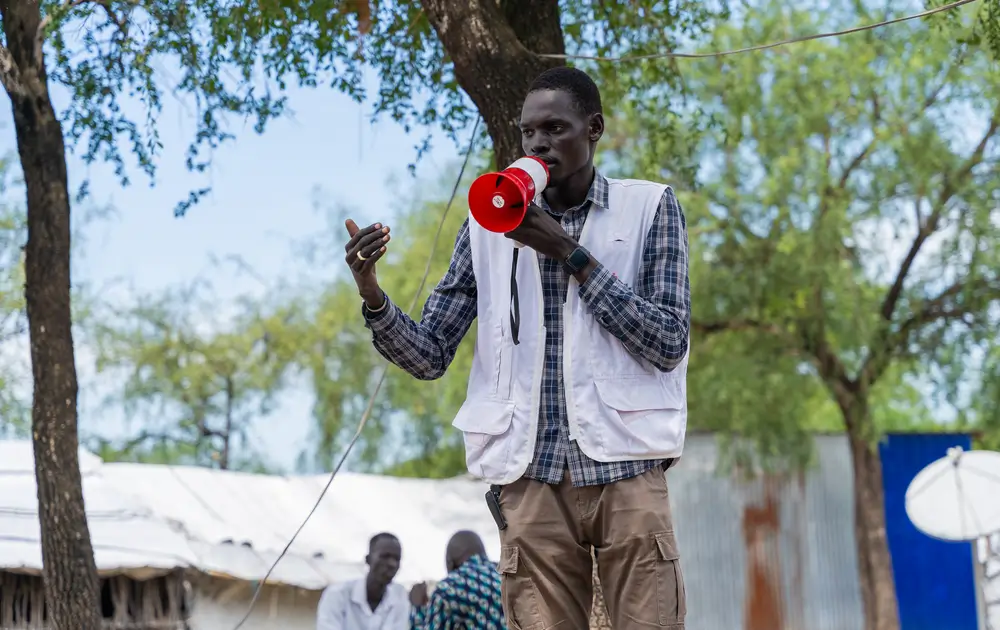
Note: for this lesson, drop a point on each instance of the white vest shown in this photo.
(620, 407)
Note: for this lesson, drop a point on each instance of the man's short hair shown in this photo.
(381, 536)
(576, 83)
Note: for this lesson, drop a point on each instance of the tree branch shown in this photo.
(896, 290)
(536, 25)
(120, 22)
(733, 325)
(929, 102)
(943, 307)
(146, 436)
(65, 6)
(831, 369)
(706, 328)
(10, 75)
(886, 344)
(940, 308)
(952, 185)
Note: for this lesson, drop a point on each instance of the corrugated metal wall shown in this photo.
(779, 554)
(768, 554)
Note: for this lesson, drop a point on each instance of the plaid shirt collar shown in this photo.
(597, 195)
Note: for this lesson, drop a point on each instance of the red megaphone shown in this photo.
(498, 201)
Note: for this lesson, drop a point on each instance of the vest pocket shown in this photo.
(639, 417)
(637, 395)
(483, 422)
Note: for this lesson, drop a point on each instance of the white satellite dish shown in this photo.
(957, 497)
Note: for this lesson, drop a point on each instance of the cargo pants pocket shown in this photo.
(670, 596)
(517, 592)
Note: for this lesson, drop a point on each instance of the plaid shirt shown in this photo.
(651, 321)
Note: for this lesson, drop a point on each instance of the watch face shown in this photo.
(578, 259)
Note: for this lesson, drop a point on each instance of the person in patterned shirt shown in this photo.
(468, 599)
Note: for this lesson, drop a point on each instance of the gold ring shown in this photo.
(360, 257)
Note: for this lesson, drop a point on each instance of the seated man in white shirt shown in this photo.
(374, 603)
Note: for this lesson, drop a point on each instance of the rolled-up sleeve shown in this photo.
(426, 348)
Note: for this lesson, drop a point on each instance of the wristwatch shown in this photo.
(576, 261)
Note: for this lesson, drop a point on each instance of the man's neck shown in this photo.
(572, 192)
(375, 591)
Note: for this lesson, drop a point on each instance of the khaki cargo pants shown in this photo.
(545, 559)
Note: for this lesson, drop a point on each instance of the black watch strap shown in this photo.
(576, 261)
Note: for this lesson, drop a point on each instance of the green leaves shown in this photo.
(843, 232)
(232, 60)
(229, 60)
(195, 386)
(15, 410)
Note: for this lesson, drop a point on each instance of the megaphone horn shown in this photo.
(499, 201)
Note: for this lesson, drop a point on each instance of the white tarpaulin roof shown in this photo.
(149, 519)
(126, 536)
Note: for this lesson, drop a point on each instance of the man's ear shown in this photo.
(368, 560)
(596, 127)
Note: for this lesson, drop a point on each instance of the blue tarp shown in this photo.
(935, 580)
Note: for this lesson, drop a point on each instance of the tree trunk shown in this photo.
(491, 45)
(878, 590)
(71, 583)
(228, 435)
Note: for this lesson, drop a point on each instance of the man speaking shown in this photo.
(575, 408)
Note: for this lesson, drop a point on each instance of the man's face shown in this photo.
(556, 132)
(383, 561)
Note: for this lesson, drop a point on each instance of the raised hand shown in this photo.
(365, 247)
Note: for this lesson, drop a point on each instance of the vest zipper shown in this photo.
(568, 365)
(539, 366)
(572, 285)
(510, 375)
(496, 386)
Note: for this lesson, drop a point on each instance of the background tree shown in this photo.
(196, 380)
(14, 412)
(984, 405)
(846, 231)
(15, 407)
